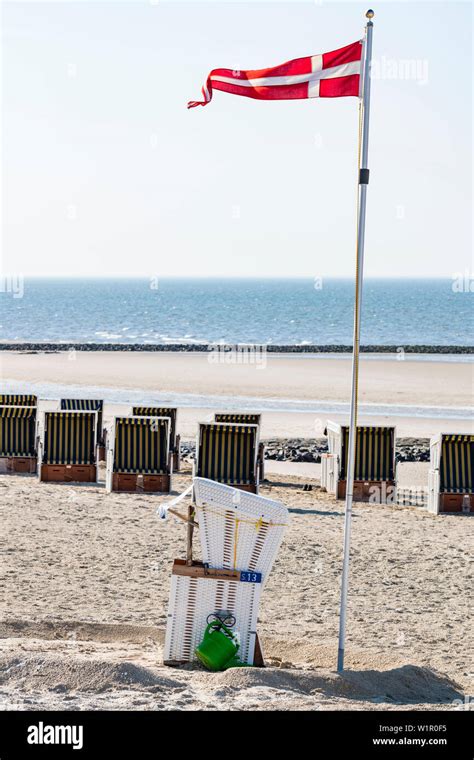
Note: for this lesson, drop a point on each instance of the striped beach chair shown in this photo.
(227, 453)
(68, 446)
(246, 418)
(138, 457)
(374, 477)
(451, 475)
(18, 437)
(172, 413)
(89, 405)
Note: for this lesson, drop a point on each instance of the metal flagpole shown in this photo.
(362, 197)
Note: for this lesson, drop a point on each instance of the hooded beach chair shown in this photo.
(246, 418)
(172, 413)
(89, 405)
(68, 446)
(451, 475)
(240, 534)
(138, 456)
(18, 437)
(227, 453)
(374, 477)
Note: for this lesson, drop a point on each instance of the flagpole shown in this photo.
(362, 198)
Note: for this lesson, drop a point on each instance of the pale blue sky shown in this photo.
(106, 172)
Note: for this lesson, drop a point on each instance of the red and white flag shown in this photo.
(329, 75)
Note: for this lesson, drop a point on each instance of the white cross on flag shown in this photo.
(329, 75)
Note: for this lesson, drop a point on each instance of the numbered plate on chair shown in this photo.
(247, 576)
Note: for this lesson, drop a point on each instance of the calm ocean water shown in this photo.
(286, 312)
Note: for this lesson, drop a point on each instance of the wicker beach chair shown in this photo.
(89, 405)
(18, 437)
(374, 478)
(227, 453)
(451, 475)
(68, 446)
(246, 418)
(240, 534)
(175, 438)
(138, 455)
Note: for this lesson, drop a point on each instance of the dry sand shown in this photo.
(284, 377)
(85, 579)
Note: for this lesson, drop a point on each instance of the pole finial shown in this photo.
(370, 14)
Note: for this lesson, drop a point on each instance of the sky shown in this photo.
(105, 172)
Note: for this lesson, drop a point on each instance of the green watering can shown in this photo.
(218, 647)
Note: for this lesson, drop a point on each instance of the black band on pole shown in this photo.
(363, 176)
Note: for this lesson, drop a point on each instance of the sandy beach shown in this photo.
(86, 574)
(282, 381)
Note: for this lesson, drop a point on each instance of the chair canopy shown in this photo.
(18, 399)
(142, 445)
(238, 418)
(159, 411)
(69, 438)
(227, 453)
(17, 431)
(82, 404)
(457, 464)
(374, 453)
(86, 405)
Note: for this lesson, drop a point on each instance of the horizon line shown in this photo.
(230, 277)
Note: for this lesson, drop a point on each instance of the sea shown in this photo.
(191, 312)
(296, 312)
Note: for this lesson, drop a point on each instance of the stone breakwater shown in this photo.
(203, 347)
(310, 449)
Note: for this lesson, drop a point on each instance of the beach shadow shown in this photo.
(320, 512)
(294, 486)
(406, 685)
(51, 630)
(73, 483)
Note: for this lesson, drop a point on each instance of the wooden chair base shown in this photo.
(136, 483)
(18, 465)
(456, 502)
(68, 473)
(363, 490)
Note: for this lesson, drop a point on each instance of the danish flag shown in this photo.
(329, 75)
